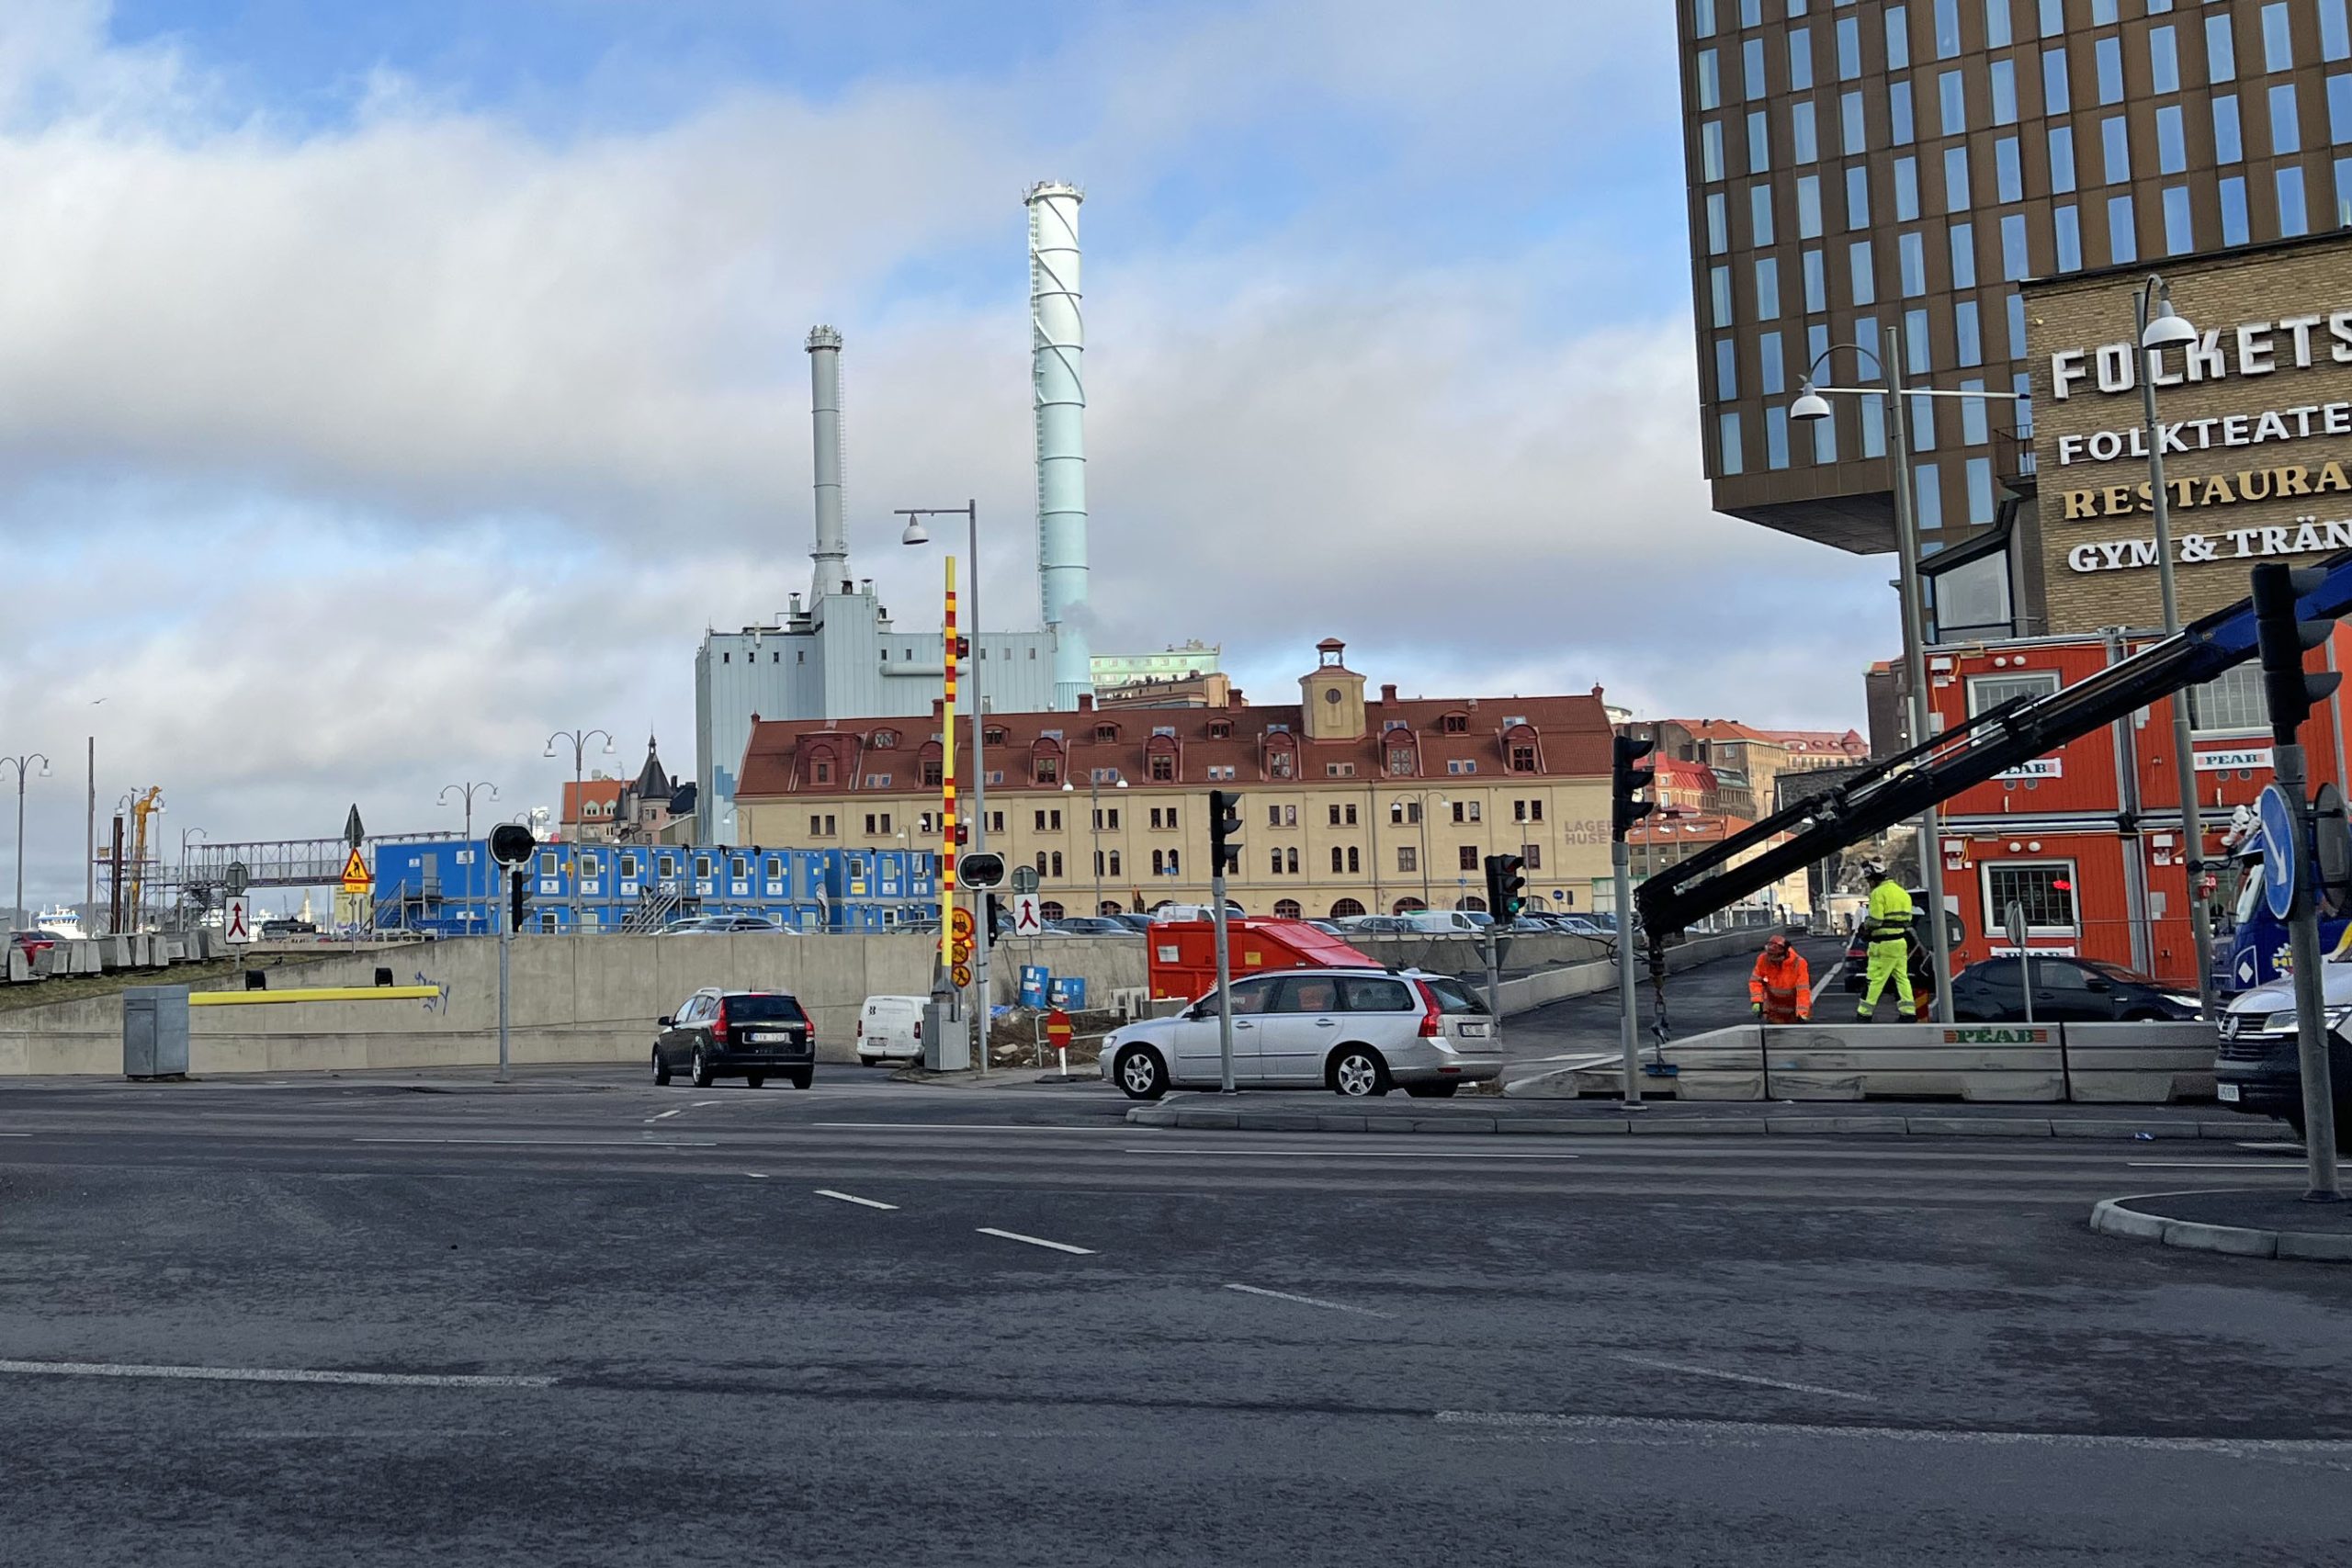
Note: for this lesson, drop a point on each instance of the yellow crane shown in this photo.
(142, 805)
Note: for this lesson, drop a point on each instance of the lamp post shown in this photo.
(2157, 326)
(917, 534)
(1422, 800)
(1813, 404)
(186, 834)
(20, 763)
(579, 738)
(1094, 802)
(468, 791)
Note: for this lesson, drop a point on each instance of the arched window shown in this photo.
(1114, 863)
(1287, 909)
(1472, 901)
(1344, 908)
(1049, 911)
(1109, 906)
(1337, 857)
(885, 738)
(1292, 852)
(1355, 858)
(1041, 863)
(1159, 862)
(1057, 867)
(1406, 906)
(1277, 858)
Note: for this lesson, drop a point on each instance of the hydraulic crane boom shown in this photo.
(1992, 742)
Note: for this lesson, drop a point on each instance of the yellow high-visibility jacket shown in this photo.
(1889, 913)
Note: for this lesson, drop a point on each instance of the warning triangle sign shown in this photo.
(355, 877)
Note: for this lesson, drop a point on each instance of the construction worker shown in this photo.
(1886, 928)
(1780, 987)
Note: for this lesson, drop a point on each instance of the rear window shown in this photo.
(1377, 996)
(786, 1008)
(1453, 997)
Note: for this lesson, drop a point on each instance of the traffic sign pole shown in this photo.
(2284, 849)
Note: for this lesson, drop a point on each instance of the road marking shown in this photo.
(274, 1374)
(1823, 984)
(1742, 1377)
(1536, 1422)
(559, 1142)
(664, 1115)
(757, 1175)
(700, 1103)
(868, 1203)
(1307, 1300)
(965, 1127)
(2208, 1163)
(15, 1134)
(1037, 1241)
(1357, 1154)
(2274, 1149)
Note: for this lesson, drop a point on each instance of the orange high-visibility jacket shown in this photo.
(1785, 988)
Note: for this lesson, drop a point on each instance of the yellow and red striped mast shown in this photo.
(947, 787)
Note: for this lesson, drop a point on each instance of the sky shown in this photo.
(385, 388)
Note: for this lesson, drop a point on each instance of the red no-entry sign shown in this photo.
(1058, 1030)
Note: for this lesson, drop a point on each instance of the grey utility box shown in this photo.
(946, 1041)
(155, 1031)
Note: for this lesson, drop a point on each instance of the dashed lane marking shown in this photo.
(1655, 1365)
(1357, 1154)
(1541, 1423)
(853, 1197)
(2208, 1163)
(1307, 1300)
(557, 1143)
(1037, 1241)
(666, 1115)
(967, 1127)
(757, 1175)
(274, 1374)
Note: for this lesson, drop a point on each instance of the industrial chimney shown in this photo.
(831, 552)
(1058, 344)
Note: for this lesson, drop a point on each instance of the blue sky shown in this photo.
(388, 385)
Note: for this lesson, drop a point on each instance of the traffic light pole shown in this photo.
(505, 948)
(1621, 860)
(1224, 979)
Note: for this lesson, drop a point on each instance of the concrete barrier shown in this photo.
(2139, 1064)
(573, 1000)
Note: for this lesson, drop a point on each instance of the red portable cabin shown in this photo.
(1183, 952)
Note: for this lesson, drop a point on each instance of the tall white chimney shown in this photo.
(831, 552)
(1057, 347)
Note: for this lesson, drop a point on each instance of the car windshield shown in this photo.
(766, 1007)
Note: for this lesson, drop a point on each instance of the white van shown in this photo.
(889, 1029)
(1443, 922)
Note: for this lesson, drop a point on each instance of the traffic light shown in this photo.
(1225, 830)
(2282, 639)
(518, 900)
(1626, 784)
(509, 843)
(1505, 887)
(963, 834)
(993, 915)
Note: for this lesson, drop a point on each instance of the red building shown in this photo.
(2087, 838)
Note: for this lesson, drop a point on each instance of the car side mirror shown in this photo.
(2095, 984)
(664, 1022)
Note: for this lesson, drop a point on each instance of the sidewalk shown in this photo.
(1320, 1113)
(2271, 1222)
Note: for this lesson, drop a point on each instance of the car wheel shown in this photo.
(801, 1077)
(1141, 1073)
(753, 1080)
(661, 1067)
(1431, 1090)
(1357, 1072)
(702, 1075)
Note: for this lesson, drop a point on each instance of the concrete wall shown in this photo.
(572, 999)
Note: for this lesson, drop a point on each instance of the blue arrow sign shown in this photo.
(2281, 855)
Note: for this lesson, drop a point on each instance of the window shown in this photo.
(1163, 768)
(1114, 863)
(2286, 132)
(932, 773)
(1159, 862)
(1527, 810)
(1751, 61)
(1947, 28)
(2005, 92)
(1467, 811)
(2339, 110)
(2107, 56)
(2055, 97)
(2122, 240)
(2062, 160)
(1898, 38)
(1805, 143)
(1468, 857)
(1852, 138)
(1863, 277)
(1809, 207)
(2278, 37)
(1898, 113)
(1857, 193)
(1964, 255)
(1768, 289)
(2335, 39)
(1335, 815)
(1338, 860)
(1287, 909)
(2179, 232)
(824, 770)
(1911, 264)
(1955, 179)
(2294, 217)
(1800, 59)
(1355, 858)
(1290, 859)
(2220, 51)
(2115, 139)
(1849, 49)
(1049, 770)
(1968, 339)
(1407, 858)
(2046, 888)
(1907, 189)
(996, 818)
(2230, 703)
(1728, 461)
(1057, 864)
(1533, 855)
(1951, 103)
(1163, 818)
(2016, 262)
(1986, 692)
(2233, 224)
(1522, 756)
(1759, 142)
(2163, 61)
(1816, 283)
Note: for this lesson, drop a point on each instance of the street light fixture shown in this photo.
(1812, 403)
(2162, 327)
(468, 791)
(20, 763)
(1094, 804)
(1422, 800)
(579, 738)
(916, 533)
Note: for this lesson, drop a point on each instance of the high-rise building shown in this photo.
(1865, 168)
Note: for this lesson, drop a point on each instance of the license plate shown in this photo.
(1474, 1032)
(2228, 1091)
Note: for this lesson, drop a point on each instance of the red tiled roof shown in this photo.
(1571, 735)
(605, 793)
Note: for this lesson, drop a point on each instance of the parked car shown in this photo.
(728, 925)
(1173, 911)
(729, 1035)
(1090, 925)
(889, 1029)
(1325, 927)
(1374, 925)
(1354, 1031)
(1577, 925)
(1444, 922)
(2065, 990)
(2257, 1070)
(1134, 922)
(31, 944)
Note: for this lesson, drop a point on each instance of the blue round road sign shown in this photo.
(2280, 852)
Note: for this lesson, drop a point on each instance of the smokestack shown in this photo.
(831, 552)
(1057, 346)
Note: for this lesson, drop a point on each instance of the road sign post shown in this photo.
(1028, 916)
(1057, 1033)
(237, 918)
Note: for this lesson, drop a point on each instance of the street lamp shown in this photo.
(1422, 800)
(2160, 327)
(917, 534)
(1814, 404)
(186, 834)
(468, 791)
(579, 738)
(1095, 803)
(20, 763)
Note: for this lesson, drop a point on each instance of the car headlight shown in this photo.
(2284, 1022)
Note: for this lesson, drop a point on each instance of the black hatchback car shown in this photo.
(2066, 991)
(747, 1035)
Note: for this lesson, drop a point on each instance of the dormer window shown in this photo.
(884, 739)
(1163, 768)
(1106, 732)
(1048, 769)
(1220, 730)
(995, 735)
(1455, 724)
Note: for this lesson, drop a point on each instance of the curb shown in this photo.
(2112, 1218)
(1203, 1119)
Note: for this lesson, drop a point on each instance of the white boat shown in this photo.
(59, 921)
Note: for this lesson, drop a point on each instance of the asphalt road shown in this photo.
(1711, 996)
(856, 1324)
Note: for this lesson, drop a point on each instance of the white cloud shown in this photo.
(346, 464)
